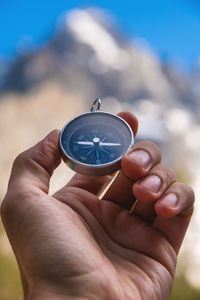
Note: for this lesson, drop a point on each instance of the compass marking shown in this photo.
(109, 144)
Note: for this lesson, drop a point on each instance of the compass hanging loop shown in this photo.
(97, 104)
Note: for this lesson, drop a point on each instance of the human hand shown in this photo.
(74, 246)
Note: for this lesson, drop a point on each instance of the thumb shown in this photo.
(35, 166)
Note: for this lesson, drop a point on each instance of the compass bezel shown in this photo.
(97, 169)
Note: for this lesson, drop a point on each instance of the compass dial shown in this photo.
(95, 142)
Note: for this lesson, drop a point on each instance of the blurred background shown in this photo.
(56, 57)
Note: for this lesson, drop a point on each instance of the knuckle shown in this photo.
(147, 144)
(5, 208)
(170, 172)
(165, 172)
(8, 203)
(19, 160)
(187, 190)
(16, 202)
(2, 209)
(151, 148)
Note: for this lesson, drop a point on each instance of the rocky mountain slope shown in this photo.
(87, 54)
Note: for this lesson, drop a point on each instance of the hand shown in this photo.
(74, 246)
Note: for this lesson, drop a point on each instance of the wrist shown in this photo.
(38, 293)
(51, 296)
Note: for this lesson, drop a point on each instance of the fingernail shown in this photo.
(169, 200)
(141, 157)
(152, 183)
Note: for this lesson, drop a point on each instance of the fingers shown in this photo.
(174, 210)
(135, 164)
(131, 120)
(96, 184)
(35, 166)
(165, 203)
(140, 159)
(178, 199)
(152, 186)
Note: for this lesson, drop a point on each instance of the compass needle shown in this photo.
(85, 143)
(109, 144)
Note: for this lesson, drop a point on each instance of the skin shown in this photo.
(72, 245)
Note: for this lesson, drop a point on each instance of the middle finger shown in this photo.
(135, 164)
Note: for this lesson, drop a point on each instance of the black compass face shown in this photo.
(96, 138)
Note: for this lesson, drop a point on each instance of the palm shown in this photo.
(121, 251)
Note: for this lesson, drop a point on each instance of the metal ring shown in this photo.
(98, 102)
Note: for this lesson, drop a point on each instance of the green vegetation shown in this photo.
(184, 291)
(10, 286)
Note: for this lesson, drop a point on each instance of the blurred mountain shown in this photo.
(89, 56)
(4, 67)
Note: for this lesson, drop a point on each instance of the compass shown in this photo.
(93, 143)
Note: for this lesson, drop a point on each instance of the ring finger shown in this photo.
(150, 189)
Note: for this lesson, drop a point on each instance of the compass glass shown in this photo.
(96, 138)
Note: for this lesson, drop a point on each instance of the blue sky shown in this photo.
(172, 28)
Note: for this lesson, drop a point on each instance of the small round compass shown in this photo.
(93, 143)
